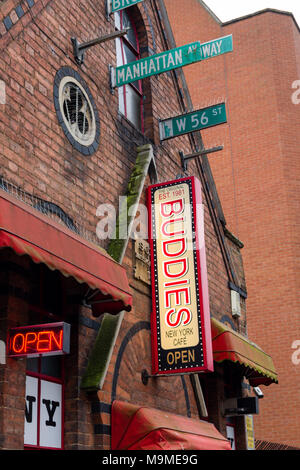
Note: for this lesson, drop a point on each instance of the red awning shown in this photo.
(29, 232)
(229, 345)
(137, 427)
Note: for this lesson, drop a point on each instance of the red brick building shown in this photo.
(73, 151)
(257, 177)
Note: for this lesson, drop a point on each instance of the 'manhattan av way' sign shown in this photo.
(169, 60)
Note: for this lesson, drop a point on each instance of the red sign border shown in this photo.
(203, 285)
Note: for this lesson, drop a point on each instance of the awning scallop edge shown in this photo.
(31, 233)
(232, 346)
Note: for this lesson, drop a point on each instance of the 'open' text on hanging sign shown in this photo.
(191, 122)
(169, 60)
(180, 319)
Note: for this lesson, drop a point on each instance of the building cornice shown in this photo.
(261, 12)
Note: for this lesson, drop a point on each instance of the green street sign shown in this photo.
(216, 47)
(169, 60)
(191, 122)
(156, 64)
(117, 5)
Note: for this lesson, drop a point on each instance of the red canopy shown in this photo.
(230, 345)
(137, 427)
(29, 232)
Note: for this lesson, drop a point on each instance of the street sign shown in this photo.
(169, 60)
(117, 5)
(191, 122)
(156, 64)
(216, 47)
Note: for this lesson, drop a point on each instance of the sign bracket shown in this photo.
(185, 158)
(79, 49)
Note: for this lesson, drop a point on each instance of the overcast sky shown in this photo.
(229, 9)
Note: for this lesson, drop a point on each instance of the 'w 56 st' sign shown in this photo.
(180, 324)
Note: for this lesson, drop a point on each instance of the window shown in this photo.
(76, 111)
(47, 296)
(130, 96)
(43, 427)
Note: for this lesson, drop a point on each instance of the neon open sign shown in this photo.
(35, 340)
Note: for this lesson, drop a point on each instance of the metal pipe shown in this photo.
(202, 152)
(107, 37)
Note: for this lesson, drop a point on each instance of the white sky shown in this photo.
(229, 9)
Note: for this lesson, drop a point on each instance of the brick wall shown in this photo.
(257, 177)
(36, 156)
(14, 308)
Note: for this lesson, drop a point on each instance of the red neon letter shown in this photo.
(46, 340)
(185, 290)
(184, 269)
(14, 343)
(169, 242)
(28, 341)
(179, 317)
(59, 342)
(172, 205)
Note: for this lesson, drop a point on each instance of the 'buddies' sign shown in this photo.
(180, 323)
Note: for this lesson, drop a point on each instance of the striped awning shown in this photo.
(231, 346)
(28, 232)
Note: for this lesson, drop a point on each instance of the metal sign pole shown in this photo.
(78, 49)
(185, 158)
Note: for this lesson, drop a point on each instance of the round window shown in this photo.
(76, 111)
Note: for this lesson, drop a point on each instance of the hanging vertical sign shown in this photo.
(180, 322)
(117, 5)
(250, 441)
